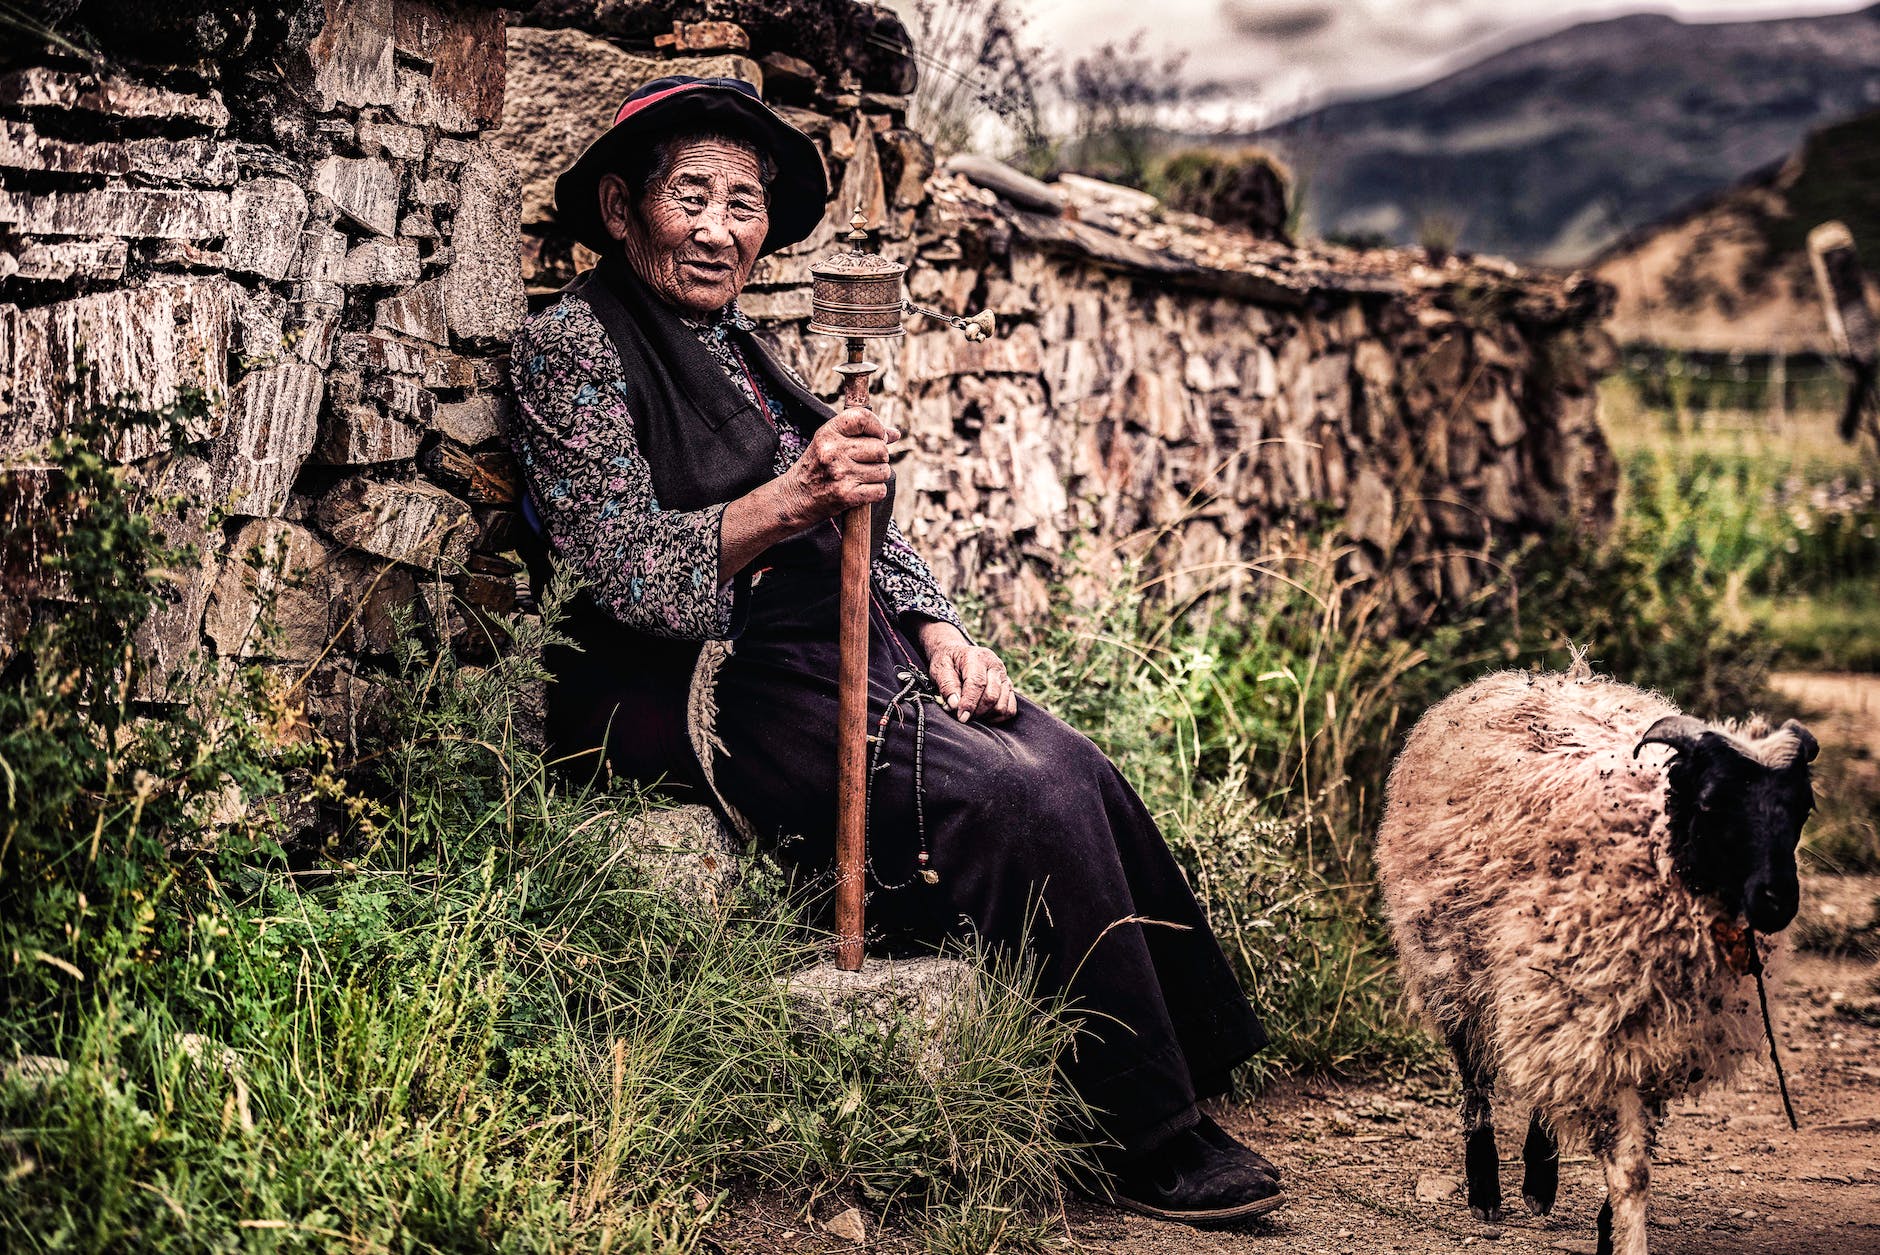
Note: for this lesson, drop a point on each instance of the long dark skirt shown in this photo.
(1037, 840)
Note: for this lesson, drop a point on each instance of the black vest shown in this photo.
(704, 442)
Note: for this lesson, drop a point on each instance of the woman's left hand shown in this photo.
(971, 679)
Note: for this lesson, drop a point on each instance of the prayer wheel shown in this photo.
(856, 295)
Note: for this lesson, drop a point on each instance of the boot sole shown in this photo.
(1259, 1207)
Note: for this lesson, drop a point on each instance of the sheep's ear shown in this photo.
(1680, 732)
(1805, 738)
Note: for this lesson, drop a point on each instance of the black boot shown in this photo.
(1223, 1140)
(1190, 1179)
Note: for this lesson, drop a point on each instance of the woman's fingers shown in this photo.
(1007, 704)
(856, 421)
(945, 670)
(973, 675)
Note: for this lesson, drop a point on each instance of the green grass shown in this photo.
(469, 1023)
(1783, 524)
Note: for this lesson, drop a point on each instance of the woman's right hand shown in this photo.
(845, 465)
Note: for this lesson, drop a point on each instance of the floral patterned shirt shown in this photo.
(652, 569)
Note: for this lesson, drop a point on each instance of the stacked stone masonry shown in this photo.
(332, 235)
(319, 236)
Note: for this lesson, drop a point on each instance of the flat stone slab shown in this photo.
(918, 1002)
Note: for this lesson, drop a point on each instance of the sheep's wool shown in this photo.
(1526, 863)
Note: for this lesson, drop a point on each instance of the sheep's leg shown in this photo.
(1624, 1147)
(1482, 1164)
(1540, 1158)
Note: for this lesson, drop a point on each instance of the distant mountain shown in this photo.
(1732, 273)
(1553, 149)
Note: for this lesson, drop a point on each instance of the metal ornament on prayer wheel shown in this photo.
(857, 295)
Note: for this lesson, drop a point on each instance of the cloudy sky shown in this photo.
(1302, 51)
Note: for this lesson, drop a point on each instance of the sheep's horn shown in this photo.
(1680, 732)
(1810, 746)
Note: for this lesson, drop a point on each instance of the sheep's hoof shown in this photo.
(1487, 1215)
(1535, 1206)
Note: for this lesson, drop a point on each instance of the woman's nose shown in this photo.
(713, 227)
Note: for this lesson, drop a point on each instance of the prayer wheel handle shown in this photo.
(858, 295)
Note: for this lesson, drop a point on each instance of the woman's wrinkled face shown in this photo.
(694, 237)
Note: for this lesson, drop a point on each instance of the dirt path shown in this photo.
(1728, 1176)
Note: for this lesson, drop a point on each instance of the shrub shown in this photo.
(1237, 189)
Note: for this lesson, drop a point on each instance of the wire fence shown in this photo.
(1692, 383)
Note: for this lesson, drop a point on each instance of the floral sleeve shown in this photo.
(652, 569)
(908, 583)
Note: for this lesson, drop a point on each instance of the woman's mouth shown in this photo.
(712, 270)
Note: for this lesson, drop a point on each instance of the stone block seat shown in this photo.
(690, 852)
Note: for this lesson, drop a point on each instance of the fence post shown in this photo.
(1850, 318)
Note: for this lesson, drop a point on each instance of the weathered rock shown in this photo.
(847, 1225)
(389, 139)
(312, 330)
(1020, 189)
(285, 592)
(380, 264)
(364, 350)
(364, 189)
(402, 396)
(465, 47)
(205, 162)
(1502, 419)
(480, 419)
(265, 230)
(64, 259)
(134, 212)
(35, 1073)
(360, 434)
(417, 312)
(920, 1002)
(40, 87)
(266, 434)
(350, 62)
(787, 78)
(685, 852)
(704, 37)
(482, 289)
(147, 343)
(906, 165)
(1431, 1188)
(174, 493)
(23, 148)
(412, 523)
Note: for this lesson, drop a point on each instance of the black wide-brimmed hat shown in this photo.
(671, 105)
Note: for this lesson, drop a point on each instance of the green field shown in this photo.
(1779, 518)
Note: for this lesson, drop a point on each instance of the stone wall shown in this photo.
(308, 211)
(1160, 385)
(296, 212)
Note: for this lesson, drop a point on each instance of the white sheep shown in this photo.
(1563, 892)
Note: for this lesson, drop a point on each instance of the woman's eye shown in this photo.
(692, 204)
(746, 209)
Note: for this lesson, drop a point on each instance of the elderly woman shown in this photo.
(695, 484)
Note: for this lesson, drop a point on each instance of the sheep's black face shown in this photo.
(1736, 815)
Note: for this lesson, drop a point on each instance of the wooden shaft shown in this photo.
(852, 701)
